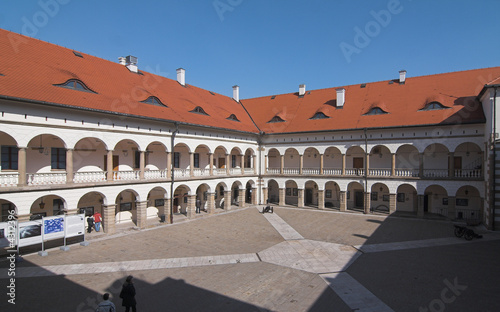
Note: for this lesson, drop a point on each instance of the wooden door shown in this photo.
(358, 199)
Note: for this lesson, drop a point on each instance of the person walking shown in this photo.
(128, 294)
(90, 224)
(106, 305)
(97, 220)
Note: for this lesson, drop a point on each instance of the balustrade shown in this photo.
(468, 173)
(332, 171)
(406, 172)
(46, 178)
(155, 174)
(379, 172)
(9, 179)
(126, 175)
(89, 176)
(435, 173)
(310, 171)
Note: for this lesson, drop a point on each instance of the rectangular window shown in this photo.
(58, 158)
(88, 211)
(233, 161)
(137, 160)
(196, 157)
(9, 157)
(177, 159)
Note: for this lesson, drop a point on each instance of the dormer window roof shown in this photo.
(233, 118)
(376, 111)
(199, 110)
(433, 106)
(319, 115)
(153, 100)
(75, 84)
(276, 119)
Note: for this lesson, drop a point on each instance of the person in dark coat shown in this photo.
(90, 224)
(128, 294)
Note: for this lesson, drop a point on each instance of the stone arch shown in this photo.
(291, 193)
(181, 199)
(126, 206)
(311, 193)
(355, 196)
(273, 189)
(379, 198)
(48, 205)
(332, 195)
(202, 197)
(220, 194)
(156, 202)
(436, 200)
(406, 198)
(407, 161)
(468, 204)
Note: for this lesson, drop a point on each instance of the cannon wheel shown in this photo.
(469, 234)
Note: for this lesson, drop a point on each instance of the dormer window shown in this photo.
(199, 110)
(153, 100)
(233, 118)
(433, 106)
(319, 115)
(276, 119)
(74, 84)
(376, 111)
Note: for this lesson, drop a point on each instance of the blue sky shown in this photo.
(269, 47)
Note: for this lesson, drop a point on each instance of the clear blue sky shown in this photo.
(271, 46)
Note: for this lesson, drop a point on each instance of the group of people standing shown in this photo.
(94, 222)
(127, 295)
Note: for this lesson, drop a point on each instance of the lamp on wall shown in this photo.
(41, 204)
(125, 153)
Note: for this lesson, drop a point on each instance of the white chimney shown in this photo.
(131, 63)
(181, 76)
(122, 61)
(340, 97)
(236, 93)
(402, 76)
(302, 90)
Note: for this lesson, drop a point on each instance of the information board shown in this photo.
(30, 233)
(75, 225)
(53, 227)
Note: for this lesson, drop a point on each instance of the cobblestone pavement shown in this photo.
(291, 260)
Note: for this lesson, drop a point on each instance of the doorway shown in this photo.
(358, 199)
(309, 196)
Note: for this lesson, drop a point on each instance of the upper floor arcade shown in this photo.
(52, 158)
(441, 160)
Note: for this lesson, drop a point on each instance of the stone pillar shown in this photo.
(301, 163)
(300, 198)
(451, 164)
(169, 165)
(191, 206)
(109, 218)
(392, 203)
(451, 207)
(142, 164)
(142, 213)
(254, 196)
(420, 206)
(210, 203)
(367, 164)
(241, 198)
(228, 164)
(254, 164)
(211, 165)
(21, 167)
(343, 201)
(367, 202)
(393, 164)
(191, 164)
(26, 217)
(321, 162)
(242, 164)
(109, 165)
(321, 199)
(69, 165)
(165, 209)
(281, 200)
(227, 200)
(265, 195)
(343, 164)
(282, 164)
(421, 167)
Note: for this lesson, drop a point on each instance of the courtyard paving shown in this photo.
(291, 260)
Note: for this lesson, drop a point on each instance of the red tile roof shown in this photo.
(31, 68)
(402, 102)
